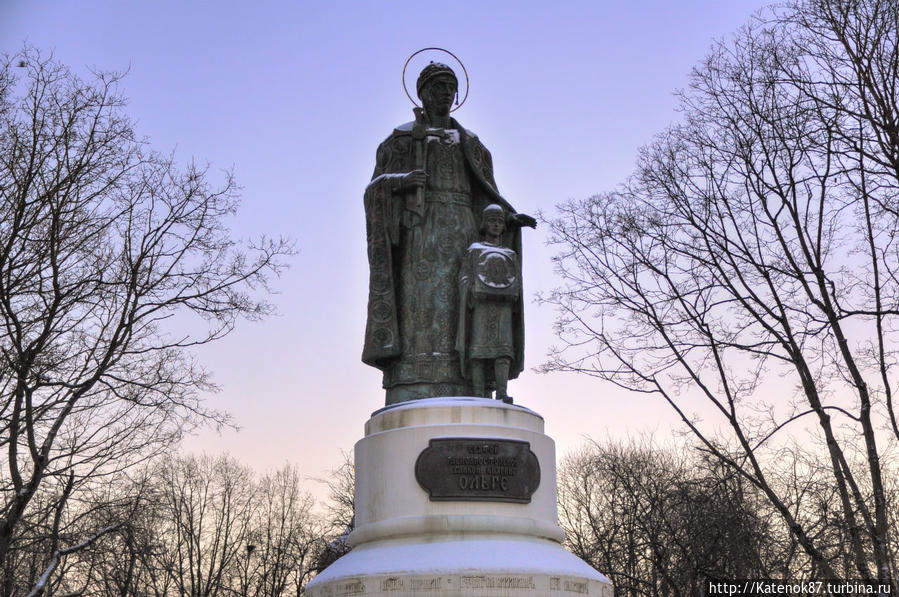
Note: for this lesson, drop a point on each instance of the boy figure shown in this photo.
(489, 291)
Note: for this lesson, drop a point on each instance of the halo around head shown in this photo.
(454, 57)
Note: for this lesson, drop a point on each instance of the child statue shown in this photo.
(489, 291)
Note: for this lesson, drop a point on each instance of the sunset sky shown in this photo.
(296, 96)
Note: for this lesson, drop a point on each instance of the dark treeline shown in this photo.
(196, 526)
(663, 521)
(658, 521)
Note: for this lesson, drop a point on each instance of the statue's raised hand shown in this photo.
(413, 180)
(521, 220)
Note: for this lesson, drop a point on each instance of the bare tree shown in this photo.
(197, 526)
(340, 512)
(660, 522)
(341, 504)
(208, 510)
(102, 243)
(752, 263)
(287, 537)
(129, 558)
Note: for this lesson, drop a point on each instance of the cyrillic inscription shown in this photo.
(393, 583)
(575, 586)
(497, 582)
(426, 584)
(353, 587)
(490, 469)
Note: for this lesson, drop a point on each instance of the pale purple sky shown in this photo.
(296, 97)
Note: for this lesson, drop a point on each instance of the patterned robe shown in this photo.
(416, 244)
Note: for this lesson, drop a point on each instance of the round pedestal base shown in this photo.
(413, 541)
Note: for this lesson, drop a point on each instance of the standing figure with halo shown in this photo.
(423, 209)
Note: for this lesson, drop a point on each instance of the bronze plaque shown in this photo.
(478, 469)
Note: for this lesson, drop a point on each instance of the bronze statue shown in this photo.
(423, 210)
(490, 295)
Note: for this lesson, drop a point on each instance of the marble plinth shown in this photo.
(406, 544)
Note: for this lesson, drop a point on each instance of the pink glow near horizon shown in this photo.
(296, 97)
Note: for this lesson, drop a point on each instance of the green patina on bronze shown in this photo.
(423, 210)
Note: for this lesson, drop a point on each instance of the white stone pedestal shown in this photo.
(405, 544)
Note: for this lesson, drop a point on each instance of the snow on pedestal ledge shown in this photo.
(480, 565)
(408, 544)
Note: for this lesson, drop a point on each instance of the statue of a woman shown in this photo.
(423, 207)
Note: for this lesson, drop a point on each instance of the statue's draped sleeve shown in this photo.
(383, 215)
